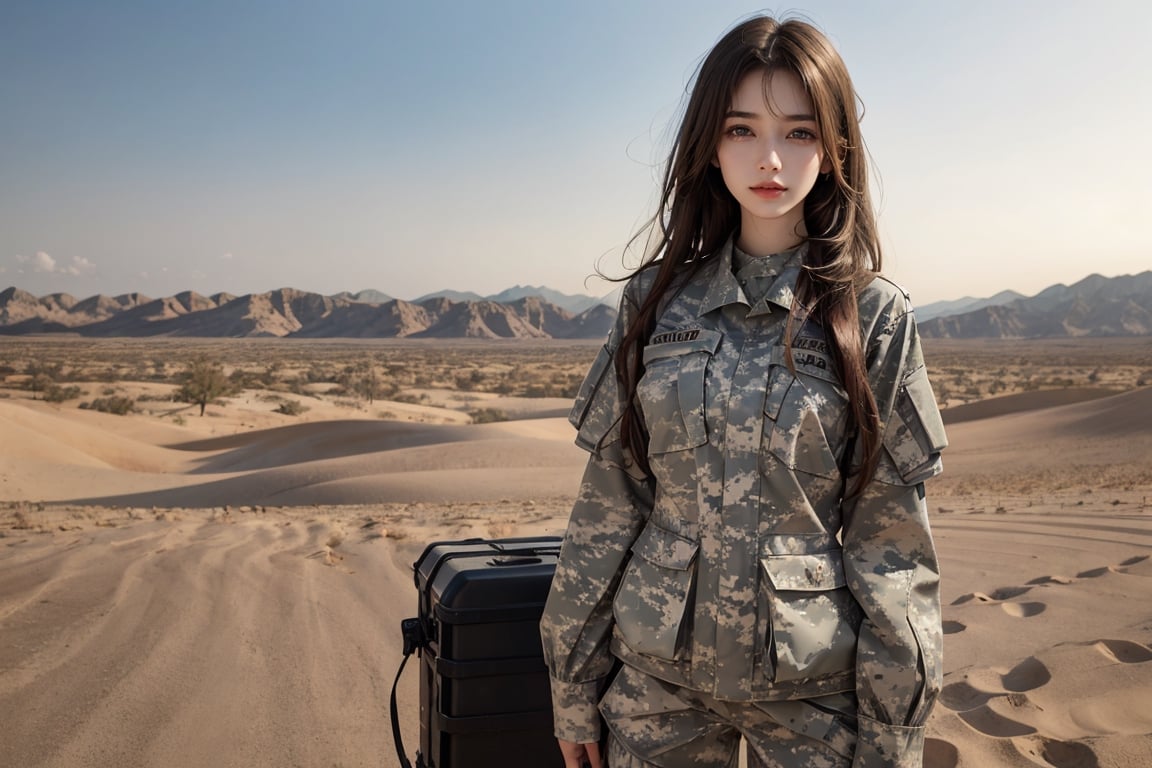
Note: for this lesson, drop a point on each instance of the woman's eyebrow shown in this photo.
(804, 118)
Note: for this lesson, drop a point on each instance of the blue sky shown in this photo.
(244, 146)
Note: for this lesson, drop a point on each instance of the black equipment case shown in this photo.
(484, 695)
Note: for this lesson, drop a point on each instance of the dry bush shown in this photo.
(292, 408)
(487, 415)
(121, 406)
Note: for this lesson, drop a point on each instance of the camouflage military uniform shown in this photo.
(736, 572)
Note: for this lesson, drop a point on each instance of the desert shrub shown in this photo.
(271, 373)
(115, 404)
(202, 382)
(488, 415)
(291, 408)
(316, 373)
(245, 379)
(54, 393)
(38, 383)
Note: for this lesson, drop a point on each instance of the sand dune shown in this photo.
(1023, 401)
(234, 599)
(1103, 441)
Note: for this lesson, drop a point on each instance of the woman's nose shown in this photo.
(770, 158)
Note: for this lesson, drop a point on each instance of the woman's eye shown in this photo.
(739, 131)
(802, 133)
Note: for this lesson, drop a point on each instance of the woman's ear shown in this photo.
(715, 161)
(826, 165)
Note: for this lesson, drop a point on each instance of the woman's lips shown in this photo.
(769, 192)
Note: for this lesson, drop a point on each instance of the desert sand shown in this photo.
(229, 592)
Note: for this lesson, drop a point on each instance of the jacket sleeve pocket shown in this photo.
(812, 619)
(651, 604)
(914, 436)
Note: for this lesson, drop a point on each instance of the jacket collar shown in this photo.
(724, 289)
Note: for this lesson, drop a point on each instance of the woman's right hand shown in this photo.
(580, 755)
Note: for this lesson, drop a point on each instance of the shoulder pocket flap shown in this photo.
(805, 573)
(676, 343)
(595, 411)
(915, 436)
(591, 383)
(665, 548)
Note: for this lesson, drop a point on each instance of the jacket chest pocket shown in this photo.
(810, 618)
(671, 391)
(807, 414)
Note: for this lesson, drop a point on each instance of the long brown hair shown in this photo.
(696, 213)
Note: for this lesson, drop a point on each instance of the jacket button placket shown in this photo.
(736, 614)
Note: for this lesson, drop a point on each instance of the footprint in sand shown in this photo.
(1003, 593)
(1123, 651)
(984, 685)
(940, 754)
(1094, 573)
(1129, 566)
(1057, 754)
(1003, 716)
(979, 597)
(992, 723)
(1024, 610)
(1056, 579)
(962, 696)
(1028, 675)
(954, 627)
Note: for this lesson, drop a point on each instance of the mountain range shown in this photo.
(1094, 306)
(290, 312)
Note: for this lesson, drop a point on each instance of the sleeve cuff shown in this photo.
(881, 745)
(574, 713)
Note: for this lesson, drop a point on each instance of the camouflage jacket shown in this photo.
(738, 568)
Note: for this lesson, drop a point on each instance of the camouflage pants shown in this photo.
(654, 723)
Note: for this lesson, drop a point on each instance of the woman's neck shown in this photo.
(761, 237)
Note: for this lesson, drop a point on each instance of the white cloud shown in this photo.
(43, 262)
(78, 266)
(227, 257)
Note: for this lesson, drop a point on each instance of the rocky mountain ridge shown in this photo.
(290, 312)
(1094, 306)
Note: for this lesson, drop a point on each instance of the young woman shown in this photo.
(750, 554)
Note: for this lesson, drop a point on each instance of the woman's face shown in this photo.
(770, 152)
